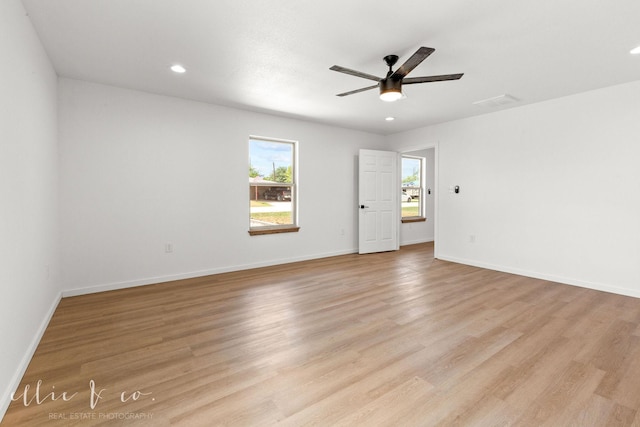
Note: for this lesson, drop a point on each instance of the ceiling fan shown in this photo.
(391, 85)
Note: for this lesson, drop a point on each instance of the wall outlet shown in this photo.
(168, 248)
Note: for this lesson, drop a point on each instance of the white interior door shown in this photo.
(378, 189)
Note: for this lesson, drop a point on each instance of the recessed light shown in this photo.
(390, 119)
(177, 68)
(635, 51)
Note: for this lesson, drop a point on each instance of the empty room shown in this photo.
(338, 213)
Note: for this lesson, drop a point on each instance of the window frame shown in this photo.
(293, 186)
(421, 190)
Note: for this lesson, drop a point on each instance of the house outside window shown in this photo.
(272, 186)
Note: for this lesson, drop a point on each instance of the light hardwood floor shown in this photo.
(396, 339)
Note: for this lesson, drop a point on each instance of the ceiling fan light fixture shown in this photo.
(390, 90)
(390, 96)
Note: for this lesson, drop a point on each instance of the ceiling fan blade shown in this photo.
(415, 60)
(357, 91)
(355, 73)
(444, 77)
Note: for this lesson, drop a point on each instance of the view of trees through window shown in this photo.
(411, 194)
(271, 183)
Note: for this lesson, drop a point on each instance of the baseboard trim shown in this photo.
(189, 275)
(5, 401)
(537, 275)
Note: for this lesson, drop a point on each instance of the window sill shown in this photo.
(413, 219)
(259, 232)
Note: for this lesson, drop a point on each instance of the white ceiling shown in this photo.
(274, 56)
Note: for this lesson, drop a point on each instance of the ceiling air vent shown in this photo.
(496, 101)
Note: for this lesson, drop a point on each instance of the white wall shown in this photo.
(548, 190)
(420, 232)
(28, 194)
(141, 170)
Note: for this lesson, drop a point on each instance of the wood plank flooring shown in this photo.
(396, 339)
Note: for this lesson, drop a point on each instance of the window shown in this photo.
(412, 189)
(272, 186)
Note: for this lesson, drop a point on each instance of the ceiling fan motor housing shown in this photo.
(390, 85)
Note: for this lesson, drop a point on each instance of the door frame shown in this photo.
(436, 173)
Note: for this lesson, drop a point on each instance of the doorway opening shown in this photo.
(420, 226)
